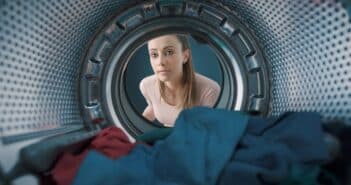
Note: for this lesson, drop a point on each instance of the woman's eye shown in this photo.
(153, 55)
(169, 52)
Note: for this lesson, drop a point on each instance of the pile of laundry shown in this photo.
(206, 147)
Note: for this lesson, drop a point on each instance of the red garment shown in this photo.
(111, 141)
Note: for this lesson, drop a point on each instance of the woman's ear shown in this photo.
(186, 56)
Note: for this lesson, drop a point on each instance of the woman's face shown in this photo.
(167, 57)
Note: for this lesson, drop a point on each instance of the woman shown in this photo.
(175, 85)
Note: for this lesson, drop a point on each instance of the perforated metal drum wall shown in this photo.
(308, 44)
(41, 45)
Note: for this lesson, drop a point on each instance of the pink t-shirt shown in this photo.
(207, 94)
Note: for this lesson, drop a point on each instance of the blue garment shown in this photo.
(196, 151)
(271, 148)
(155, 135)
(209, 146)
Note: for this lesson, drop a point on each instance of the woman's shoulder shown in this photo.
(208, 90)
(148, 81)
(206, 83)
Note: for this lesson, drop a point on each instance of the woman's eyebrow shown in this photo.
(168, 47)
(154, 49)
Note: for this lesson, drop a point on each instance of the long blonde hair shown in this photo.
(188, 79)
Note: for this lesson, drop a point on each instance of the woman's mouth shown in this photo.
(163, 71)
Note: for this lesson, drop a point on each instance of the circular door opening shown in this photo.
(244, 76)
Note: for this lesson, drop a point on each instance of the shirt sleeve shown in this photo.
(148, 112)
(210, 96)
(143, 91)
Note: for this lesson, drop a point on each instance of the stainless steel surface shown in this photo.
(42, 44)
(308, 44)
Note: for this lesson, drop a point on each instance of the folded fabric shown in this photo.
(152, 136)
(195, 152)
(302, 175)
(271, 147)
(211, 146)
(111, 142)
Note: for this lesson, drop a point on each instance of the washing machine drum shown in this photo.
(68, 65)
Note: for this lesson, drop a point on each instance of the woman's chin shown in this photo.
(163, 78)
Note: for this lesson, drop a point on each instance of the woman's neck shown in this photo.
(174, 92)
(175, 86)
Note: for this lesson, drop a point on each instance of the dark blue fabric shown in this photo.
(196, 151)
(209, 146)
(270, 148)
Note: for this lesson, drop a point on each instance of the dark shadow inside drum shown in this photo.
(205, 62)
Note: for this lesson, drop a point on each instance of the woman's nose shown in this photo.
(161, 60)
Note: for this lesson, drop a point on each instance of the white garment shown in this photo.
(207, 92)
